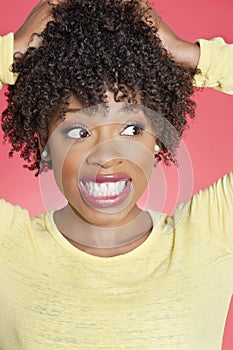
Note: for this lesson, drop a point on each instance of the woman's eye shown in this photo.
(132, 130)
(78, 133)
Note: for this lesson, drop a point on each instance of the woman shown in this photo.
(96, 101)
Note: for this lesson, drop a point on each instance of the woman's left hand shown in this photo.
(181, 50)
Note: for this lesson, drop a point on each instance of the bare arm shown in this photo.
(183, 51)
(23, 38)
(34, 23)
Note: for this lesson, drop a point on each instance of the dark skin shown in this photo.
(34, 23)
(108, 149)
(182, 51)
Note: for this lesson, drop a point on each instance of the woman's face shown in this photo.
(102, 159)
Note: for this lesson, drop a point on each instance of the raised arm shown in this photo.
(23, 38)
(213, 58)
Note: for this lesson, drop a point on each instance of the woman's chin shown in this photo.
(107, 218)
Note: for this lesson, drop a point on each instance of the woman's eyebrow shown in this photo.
(86, 111)
(126, 108)
(130, 107)
(74, 110)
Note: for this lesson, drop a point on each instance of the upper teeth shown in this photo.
(105, 189)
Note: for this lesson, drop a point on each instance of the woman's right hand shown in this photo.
(35, 23)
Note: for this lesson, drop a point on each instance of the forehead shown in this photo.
(102, 114)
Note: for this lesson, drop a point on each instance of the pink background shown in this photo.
(209, 141)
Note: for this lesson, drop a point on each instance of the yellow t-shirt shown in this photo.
(170, 293)
(6, 59)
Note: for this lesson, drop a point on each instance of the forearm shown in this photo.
(186, 53)
(213, 58)
(181, 50)
(36, 21)
(6, 59)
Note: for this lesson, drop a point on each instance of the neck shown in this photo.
(117, 239)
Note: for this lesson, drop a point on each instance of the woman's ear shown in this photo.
(44, 149)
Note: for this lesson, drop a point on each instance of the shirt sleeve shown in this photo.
(215, 65)
(212, 211)
(11, 216)
(6, 59)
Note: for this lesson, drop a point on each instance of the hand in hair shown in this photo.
(181, 50)
(29, 33)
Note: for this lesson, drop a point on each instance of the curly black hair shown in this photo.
(89, 47)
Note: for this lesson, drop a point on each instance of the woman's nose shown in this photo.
(107, 154)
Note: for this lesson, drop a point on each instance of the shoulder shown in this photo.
(12, 217)
(209, 214)
(216, 199)
(10, 212)
(20, 233)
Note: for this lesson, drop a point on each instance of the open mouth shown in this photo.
(105, 191)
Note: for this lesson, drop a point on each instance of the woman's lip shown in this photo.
(105, 178)
(105, 202)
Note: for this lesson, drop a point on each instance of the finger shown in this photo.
(36, 41)
(53, 2)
